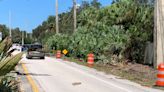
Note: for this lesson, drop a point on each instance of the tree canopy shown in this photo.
(121, 29)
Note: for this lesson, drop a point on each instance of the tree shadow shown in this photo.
(33, 74)
(23, 63)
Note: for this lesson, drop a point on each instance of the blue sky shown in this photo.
(28, 14)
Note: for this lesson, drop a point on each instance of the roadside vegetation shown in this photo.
(116, 34)
(16, 34)
(8, 62)
(119, 31)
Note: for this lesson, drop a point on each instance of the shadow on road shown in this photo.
(23, 63)
(33, 74)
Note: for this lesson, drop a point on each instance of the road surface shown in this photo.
(55, 75)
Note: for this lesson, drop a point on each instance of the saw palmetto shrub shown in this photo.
(121, 29)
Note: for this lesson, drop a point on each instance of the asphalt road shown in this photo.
(55, 75)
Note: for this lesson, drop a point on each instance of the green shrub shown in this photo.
(120, 29)
(8, 84)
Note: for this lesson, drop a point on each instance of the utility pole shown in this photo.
(10, 33)
(158, 32)
(26, 34)
(57, 19)
(22, 38)
(74, 15)
(31, 35)
(27, 29)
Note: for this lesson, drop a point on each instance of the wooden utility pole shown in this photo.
(158, 32)
(57, 19)
(74, 15)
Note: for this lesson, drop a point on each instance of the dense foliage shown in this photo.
(9, 84)
(47, 28)
(121, 29)
(4, 31)
(16, 34)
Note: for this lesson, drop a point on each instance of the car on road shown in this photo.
(35, 51)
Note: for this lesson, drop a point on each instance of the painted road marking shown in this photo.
(97, 78)
(30, 80)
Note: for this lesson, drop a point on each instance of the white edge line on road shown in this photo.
(99, 79)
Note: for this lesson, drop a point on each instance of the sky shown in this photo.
(28, 14)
